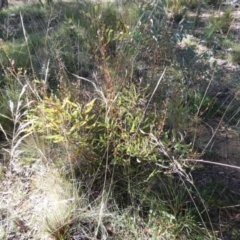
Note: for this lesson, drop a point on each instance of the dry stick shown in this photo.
(209, 162)
(46, 75)
(97, 89)
(233, 206)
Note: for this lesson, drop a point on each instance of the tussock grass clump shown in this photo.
(219, 24)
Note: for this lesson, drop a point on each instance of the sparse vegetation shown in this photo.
(234, 55)
(219, 24)
(113, 121)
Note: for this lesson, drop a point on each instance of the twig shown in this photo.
(209, 162)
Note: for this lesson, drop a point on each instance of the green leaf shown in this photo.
(89, 106)
(153, 174)
(55, 138)
(110, 35)
(71, 103)
(96, 8)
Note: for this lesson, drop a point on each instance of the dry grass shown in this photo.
(31, 194)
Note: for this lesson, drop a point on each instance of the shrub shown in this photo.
(127, 139)
(117, 132)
